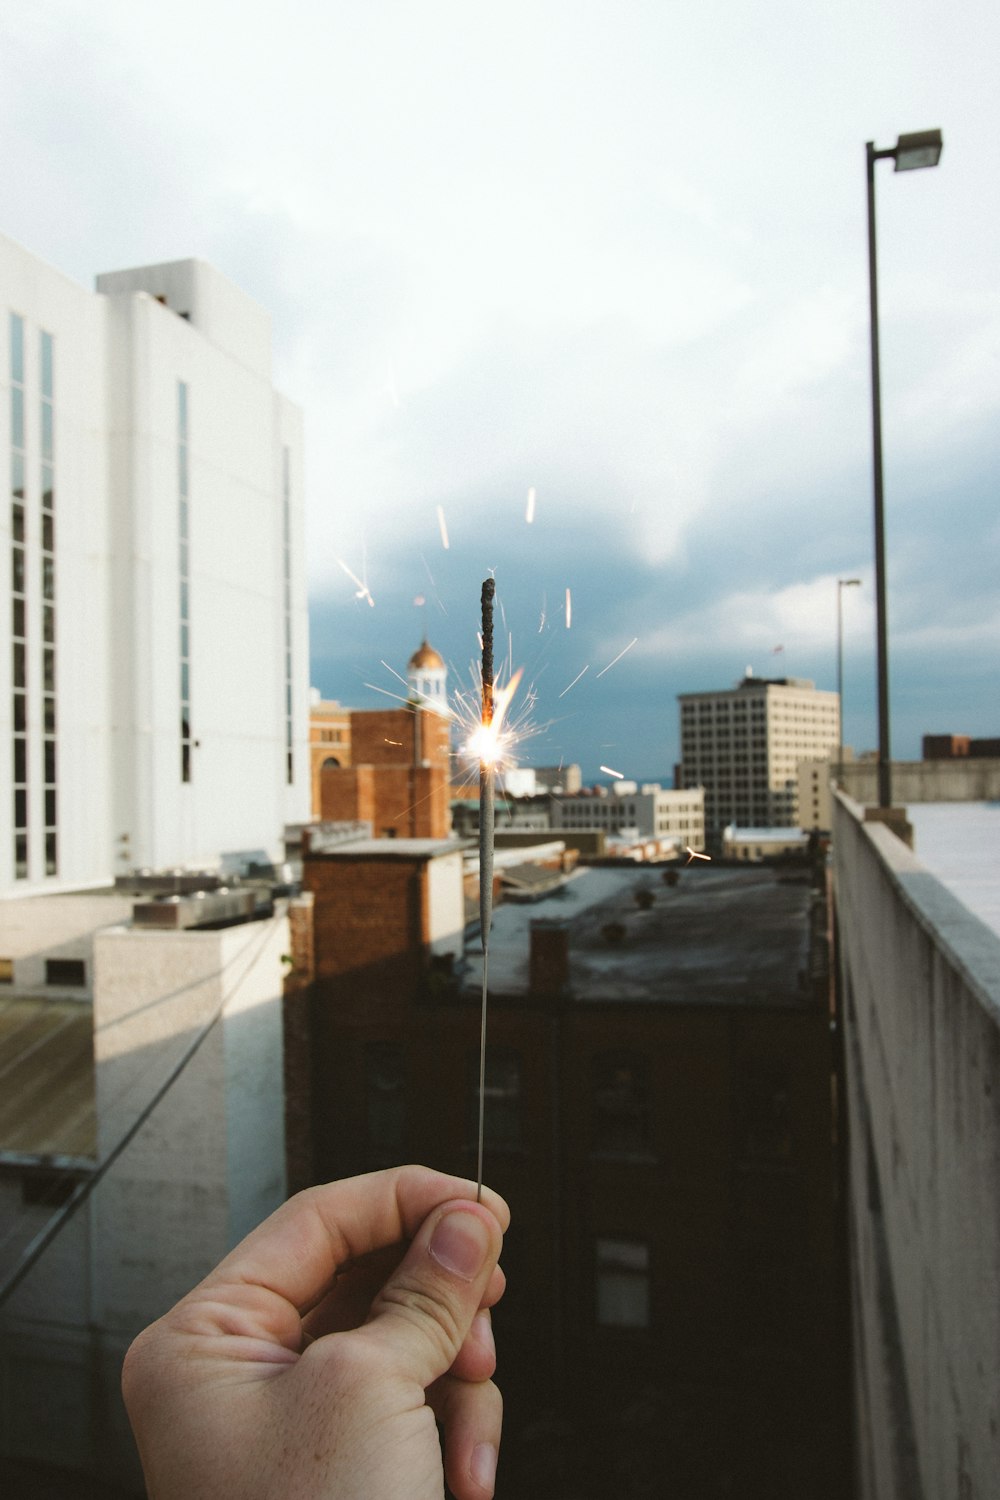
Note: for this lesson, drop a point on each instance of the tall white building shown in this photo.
(744, 746)
(154, 711)
(153, 641)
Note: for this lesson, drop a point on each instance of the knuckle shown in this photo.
(428, 1310)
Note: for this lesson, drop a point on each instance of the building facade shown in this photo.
(628, 810)
(658, 1112)
(154, 631)
(329, 741)
(744, 745)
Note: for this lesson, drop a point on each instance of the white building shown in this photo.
(643, 812)
(153, 644)
(744, 746)
(154, 711)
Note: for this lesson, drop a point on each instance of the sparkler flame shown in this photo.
(491, 743)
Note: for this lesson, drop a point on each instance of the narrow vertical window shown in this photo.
(184, 578)
(286, 543)
(622, 1289)
(502, 1112)
(385, 1103)
(48, 602)
(18, 599)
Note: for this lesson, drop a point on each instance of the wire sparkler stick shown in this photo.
(487, 774)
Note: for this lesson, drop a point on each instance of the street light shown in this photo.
(842, 584)
(920, 149)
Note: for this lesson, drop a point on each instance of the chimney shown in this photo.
(549, 962)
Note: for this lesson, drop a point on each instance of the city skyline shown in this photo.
(604, 268)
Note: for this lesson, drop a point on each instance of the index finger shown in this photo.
(297, 1252)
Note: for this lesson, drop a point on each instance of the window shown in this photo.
(622, 1299)
(65, 971)
(286, 538)
(502, 1098)
(184, 579)
(19, 598)
(620, 1104)
(385, 1103)
(764, 1114)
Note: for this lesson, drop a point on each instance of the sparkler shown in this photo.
(486, 818)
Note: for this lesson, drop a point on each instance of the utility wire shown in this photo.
(83, 1189)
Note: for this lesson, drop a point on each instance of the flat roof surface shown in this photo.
(959, 842)
(722, 935)
(392, 848)
(47, 1078)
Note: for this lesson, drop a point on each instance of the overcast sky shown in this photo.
(600, 264)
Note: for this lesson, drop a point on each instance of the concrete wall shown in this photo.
(921, 1004)
(925, 780)
(204, 1167)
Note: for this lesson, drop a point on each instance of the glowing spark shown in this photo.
(394, 673)
(618, 658)
(530, 513)
(569, 610)
(490, 743)
(442, 528)
(576, 679)
(693, 854)
(619, 775)
(362, 588)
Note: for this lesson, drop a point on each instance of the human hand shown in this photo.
(316, 1359)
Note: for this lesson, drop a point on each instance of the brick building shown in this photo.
(397, 774)
(659, 1086)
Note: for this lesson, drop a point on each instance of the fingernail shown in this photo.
(460, 1243)
(483, 1465)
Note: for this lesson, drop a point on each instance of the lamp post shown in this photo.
(842, 584)
(921, 149)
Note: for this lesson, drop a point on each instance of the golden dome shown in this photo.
(426, 659)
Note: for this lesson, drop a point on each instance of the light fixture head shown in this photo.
(921, 149)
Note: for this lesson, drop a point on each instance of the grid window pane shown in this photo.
(46, 352)
(17, 475)
(17, 417)
(16, 347)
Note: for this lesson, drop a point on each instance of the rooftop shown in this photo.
(959, 842)
(720, 936)
(47, 1080)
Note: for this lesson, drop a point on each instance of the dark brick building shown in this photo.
(661, 1115)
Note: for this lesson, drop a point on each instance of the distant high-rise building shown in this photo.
(153, 642)
(744, 745)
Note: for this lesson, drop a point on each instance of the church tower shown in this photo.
(427, 678)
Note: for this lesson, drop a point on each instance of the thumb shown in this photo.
(423, 1314)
